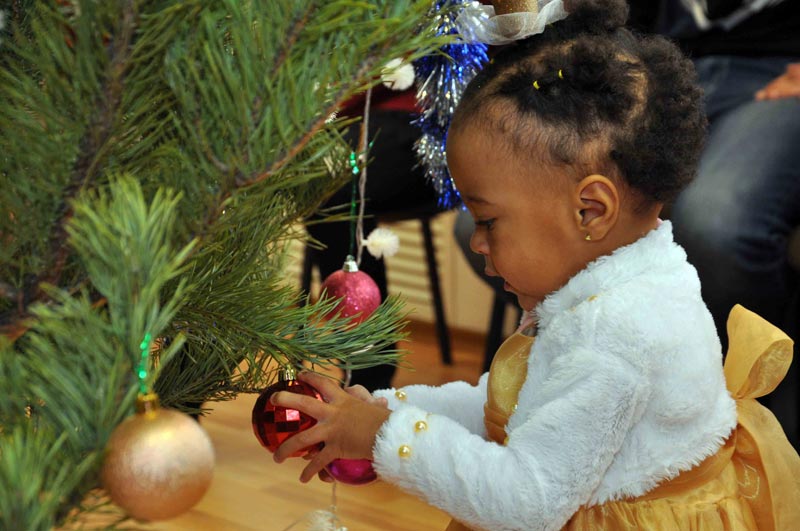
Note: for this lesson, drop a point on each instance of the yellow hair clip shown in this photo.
(560, 74)
(536, 85)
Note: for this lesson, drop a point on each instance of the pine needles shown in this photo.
(155, 159)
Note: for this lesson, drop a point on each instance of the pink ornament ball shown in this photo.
(358, 294)
(352, 471)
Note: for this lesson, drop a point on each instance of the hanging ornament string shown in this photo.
(321, 520)
(358, 192)
(381, 242)
(359, 165)
(363, 145)
(353, 202)
(144, 359)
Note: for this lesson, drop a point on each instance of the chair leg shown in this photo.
(495, 335)
(433, 275)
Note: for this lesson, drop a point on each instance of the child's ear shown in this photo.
(596, 207)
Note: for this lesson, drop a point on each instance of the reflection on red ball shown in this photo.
(272, 424)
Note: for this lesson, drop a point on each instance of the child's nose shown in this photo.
(478, 243)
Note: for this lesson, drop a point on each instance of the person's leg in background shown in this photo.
(394, 182)
(735, 218)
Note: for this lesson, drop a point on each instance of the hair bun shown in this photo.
(596, 16)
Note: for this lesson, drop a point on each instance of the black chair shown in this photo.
(424, 214)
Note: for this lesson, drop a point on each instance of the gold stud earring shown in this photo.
(588, 237)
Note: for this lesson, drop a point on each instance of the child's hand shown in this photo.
(360, 392)
(346, 424)
(323, 474)
(357, 391)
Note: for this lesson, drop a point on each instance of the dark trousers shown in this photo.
(735, 218)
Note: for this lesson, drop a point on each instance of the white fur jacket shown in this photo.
(624, 389)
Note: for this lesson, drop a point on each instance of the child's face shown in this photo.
(524, 216)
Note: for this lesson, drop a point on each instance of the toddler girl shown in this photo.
(609, 409)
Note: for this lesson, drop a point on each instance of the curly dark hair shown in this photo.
(593, 93)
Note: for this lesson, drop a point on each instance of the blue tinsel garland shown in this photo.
(442, 79)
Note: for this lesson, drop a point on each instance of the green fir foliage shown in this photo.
(155, 159)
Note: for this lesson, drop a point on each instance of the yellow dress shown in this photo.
(752, 483)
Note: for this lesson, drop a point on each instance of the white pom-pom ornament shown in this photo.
(382, 242)
(397, 75)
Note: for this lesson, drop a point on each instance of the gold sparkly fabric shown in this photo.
(504, 7)
(506, 376)
(751, 483)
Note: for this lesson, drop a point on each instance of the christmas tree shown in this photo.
(155, 159)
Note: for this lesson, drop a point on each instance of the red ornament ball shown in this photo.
(273, 424)
(358, 294)
(352, 471)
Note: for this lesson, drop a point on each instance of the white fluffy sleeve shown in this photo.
(459, 401)
(550, 465)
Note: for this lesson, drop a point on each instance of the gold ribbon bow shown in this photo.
(758, 358)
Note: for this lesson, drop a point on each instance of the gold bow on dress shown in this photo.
(767, 466)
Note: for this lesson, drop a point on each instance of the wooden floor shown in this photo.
(250, 492)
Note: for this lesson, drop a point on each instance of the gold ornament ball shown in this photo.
(159, 463)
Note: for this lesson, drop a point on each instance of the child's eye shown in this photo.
(488, 223)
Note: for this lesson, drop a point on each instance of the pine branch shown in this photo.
(298, 147)
(342, 95)
(291, 38)
(179, 143)
(93, 144)
(125, 245)
(92, 147)
(33, 475)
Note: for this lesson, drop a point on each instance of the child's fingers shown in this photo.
(306, 404)
(323, 474)
(304, 439)
(317, 465)
(311, 454)
(360, 392)
(326, 387)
